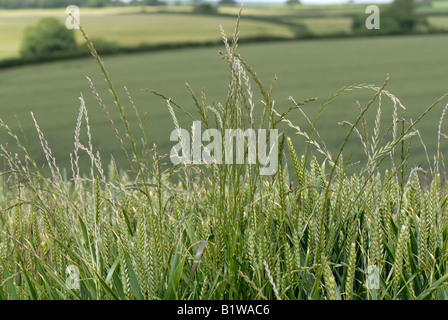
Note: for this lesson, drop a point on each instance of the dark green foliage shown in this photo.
(46, 38)
(227, 2)
(151, 3)
(396, 18)
(205, 8)
(403, 11)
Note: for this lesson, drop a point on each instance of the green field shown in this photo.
(418, 68)
(131, 27)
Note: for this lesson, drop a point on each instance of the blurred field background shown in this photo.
(132, 26)
(317, 67)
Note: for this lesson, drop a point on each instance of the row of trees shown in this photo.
(17, 4)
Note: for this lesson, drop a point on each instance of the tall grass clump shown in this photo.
(315, 229)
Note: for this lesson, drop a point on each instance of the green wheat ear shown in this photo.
(401, 251)
(330, 282)
(298, 166)
(350, 278)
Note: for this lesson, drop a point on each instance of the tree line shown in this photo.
(18, 4)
